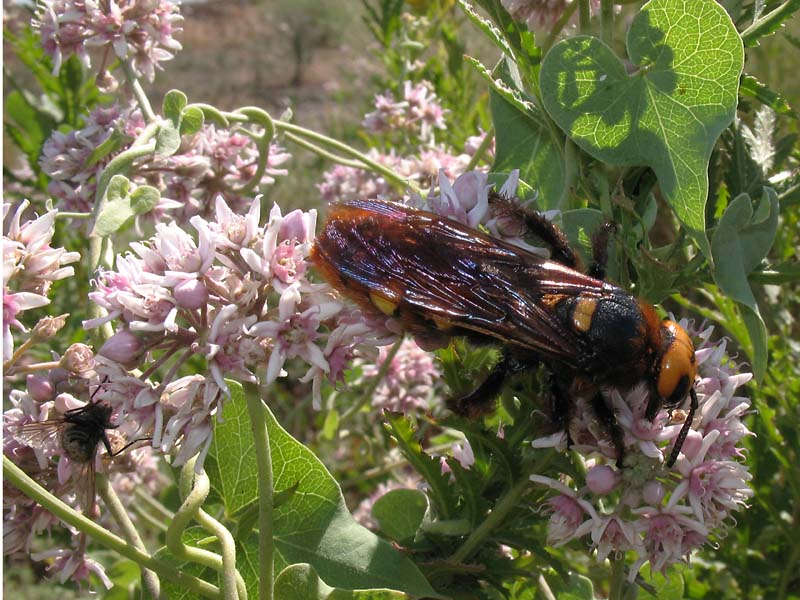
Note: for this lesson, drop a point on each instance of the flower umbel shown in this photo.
(661, 515)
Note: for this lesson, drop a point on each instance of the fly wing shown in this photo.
(38, 434)
(83, 482)
(450, 275)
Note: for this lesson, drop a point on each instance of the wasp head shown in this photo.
(674, 370)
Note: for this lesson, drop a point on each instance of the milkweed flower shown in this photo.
(418, 113)
(661, 515)
(141, 32)
(30, 266)
(234, 294)
(211, 163)
(408, 383)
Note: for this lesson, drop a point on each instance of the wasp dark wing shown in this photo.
(420, 266)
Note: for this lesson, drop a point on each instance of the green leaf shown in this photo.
(770, 23)
(118, 188)
(28, 126)
(192, 120)
(669, 587)
(301, 582)
(144, 199)
(487, 27)
(427, 466)
(751, 87)
(173, 105)
(111, 144)
(741, 241)
(313, 525)
(125, 201)
(522, 139)
(576, 587)
(669, 113)
(168, 139)
(399, 513)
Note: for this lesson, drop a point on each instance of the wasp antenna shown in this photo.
(687, 425)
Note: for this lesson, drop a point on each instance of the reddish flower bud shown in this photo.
(191, 294)
(123, 347)
(39, 388)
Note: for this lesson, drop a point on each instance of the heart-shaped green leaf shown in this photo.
(668, 114)
(399, 513)
(301, 582)
(313, 524)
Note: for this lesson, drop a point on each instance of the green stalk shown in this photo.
(607, 21)
(395, 178)
(150, 580)
(500, 511)
(195, 487)
(373, 385)
(231, 579)
(266, 550)
(166, 570)
(617, 585)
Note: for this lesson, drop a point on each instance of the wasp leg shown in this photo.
(608, 419)
(481, 400)
(538, 225)
(600, 250)
(561, 406)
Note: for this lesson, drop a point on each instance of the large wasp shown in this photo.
(435, 274)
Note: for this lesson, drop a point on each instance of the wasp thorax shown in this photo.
(678, 368)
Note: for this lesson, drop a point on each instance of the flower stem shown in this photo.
(395, 178)
(617, 584)
(481, 150)
(231, 578)
(266, 550)
(607, 21)
(150, 580)
(138, 92)
(166, 570)
(500, 511)
(195, 488)
(370, 391)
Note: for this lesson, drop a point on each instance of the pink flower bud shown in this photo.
(48, 327)
(601, 480)
(123, 347)
(293, 227)
(653, 493)
(39, 388)
(191, 294)
(79, 360)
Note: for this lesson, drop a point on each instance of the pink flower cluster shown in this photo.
(349, 183)
(418, 113)
(47, 396)
(408, 383)
(30, 266)
(660, 515)
(138, 31)
(238, 298)
(539, 13)
(210, 163)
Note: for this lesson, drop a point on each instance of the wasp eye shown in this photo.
(678, 368)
